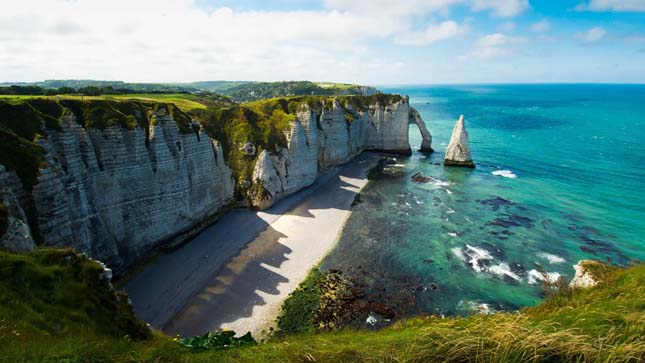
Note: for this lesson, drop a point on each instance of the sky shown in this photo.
(374, 42)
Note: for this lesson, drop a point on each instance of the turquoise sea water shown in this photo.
(469, 240)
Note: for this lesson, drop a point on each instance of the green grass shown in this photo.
(299, 309)
(55, 308)
(183, 101)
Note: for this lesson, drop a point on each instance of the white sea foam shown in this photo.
(535, 276)
(452, 234)
(503, 269)
(504, 173)
(450, 211)
(476, 307)
(371, 320)
(477, 254)
(448, 191)
(459, 253)
(553, 259)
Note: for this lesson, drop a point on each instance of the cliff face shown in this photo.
(116, 193)
(118, 181)
(342, 133)
(15, 234)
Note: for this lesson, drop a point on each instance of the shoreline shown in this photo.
(237, 272)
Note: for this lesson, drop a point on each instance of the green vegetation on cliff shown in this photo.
(52, 292)
(54, 307)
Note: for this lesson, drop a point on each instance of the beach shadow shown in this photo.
(233, 292)
(222, 274)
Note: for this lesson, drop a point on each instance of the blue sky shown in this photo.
(362, 41)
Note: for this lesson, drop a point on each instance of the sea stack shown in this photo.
(458, 151)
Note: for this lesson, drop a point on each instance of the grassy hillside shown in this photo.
(55, 308)
(264, 90)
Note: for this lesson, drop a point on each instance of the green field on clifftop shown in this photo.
(55, 308)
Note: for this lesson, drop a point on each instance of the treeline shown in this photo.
(87, 91)
(263, 90)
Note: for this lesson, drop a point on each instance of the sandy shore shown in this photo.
(236, 273)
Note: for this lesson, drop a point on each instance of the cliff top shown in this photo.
(56, 307)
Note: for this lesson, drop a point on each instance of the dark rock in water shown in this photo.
(513, 220)
(496, 252)
(361, 306)
(357, 293)
(382, 309)
(420, 178)
(517, 268)
(433, 286)
(496, 202)
(428, 261)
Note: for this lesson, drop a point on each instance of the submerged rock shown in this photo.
(458, 151)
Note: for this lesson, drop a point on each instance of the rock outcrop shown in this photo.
(15, 234)
(426, 143)
(458, 151)
(583, 277)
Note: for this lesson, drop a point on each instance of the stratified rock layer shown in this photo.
(116, 194)
(330, 137)
(17, 235)
(458, 151)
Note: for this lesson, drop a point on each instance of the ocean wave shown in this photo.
(477, 254)
(475, 307)
(504, 270)
(553, 259)
(504, 173)
(534, 276)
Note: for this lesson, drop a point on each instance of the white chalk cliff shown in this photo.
(117, 194)
(335, 140)
(17, 236)
(107, 194)
(458, 151)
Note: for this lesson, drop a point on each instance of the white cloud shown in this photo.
(507, 26)
(503, 8)
(492, 46)
(175, 40)
(172, 40)
(592, 35)
(540, 26)
(432, 34)
(612, 5)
